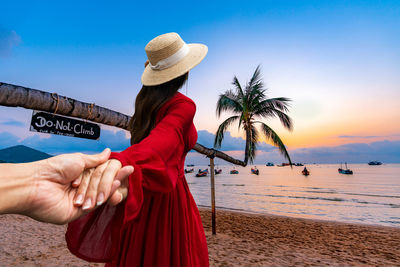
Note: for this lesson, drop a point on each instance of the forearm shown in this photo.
(15, 186)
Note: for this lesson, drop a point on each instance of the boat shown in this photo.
(298, 164)
(285, 164)
(255, 171)
(344, 171)
(190, 165)
(202, 173)
(218, 171)
(375, 162)
(269, 164)
(189, 170)
(234, 171)
(305, 172)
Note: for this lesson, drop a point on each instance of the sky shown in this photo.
(339, 62)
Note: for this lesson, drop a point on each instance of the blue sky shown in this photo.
(339, 61)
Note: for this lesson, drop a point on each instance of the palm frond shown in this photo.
(280, 103)
(219, 136)
(276, 140)
(275, 107)
(238, 87)
(228, 102)
(255, 79)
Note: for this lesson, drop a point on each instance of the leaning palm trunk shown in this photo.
(18, 96)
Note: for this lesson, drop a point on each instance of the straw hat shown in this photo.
(170, 57)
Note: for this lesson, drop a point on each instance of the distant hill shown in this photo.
(21, 154)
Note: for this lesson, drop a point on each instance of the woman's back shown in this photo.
(159, 224)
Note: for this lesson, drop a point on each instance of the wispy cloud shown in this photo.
(14, 123)
(358, 136)
(386, 151)
(8, 39)
(229, 143)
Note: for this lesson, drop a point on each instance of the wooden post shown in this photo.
(214, 231)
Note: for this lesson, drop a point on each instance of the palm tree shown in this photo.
(250, 105)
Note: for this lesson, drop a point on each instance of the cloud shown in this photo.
(8, 139)
(14, 123)
(385, 151)
(8, 39)
(358, 136)
(229, 143)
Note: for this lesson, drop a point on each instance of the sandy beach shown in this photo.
(243, 239)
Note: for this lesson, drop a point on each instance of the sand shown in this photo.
(242, 240)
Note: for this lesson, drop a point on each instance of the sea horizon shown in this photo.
(369, 196)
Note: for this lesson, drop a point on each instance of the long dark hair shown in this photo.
(148, 101)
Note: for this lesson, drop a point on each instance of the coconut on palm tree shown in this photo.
(250, 105)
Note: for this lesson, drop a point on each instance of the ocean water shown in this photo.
(370, 196)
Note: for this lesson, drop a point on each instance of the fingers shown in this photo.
(105, 184)
(92, 161)
(77, 181)
(81, 191)
(91, 193)
(122, 192)
(124, 173)
(119, 195)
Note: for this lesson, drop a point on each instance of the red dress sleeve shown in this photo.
(156, 159)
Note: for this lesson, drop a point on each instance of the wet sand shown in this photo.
(242, 240)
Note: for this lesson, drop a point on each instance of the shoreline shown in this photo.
(243, 239)
(248, 212)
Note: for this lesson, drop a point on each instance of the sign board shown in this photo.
(44, 122)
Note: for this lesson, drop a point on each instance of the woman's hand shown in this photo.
(97, 185)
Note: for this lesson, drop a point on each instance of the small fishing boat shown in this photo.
(218, 171)
(190, 165)
(234, 171)
(305, 172)
(269, 164)
(255, 171)
(202, 173)
(344, 171)
(189, 170)
(375, 162)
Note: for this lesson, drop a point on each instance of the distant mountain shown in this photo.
(21, 154)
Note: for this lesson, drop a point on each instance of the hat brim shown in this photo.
(196, 54)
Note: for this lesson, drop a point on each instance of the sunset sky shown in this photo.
(339, 62)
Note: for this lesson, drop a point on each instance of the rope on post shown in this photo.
(55, 97)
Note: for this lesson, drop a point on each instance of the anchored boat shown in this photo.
(375, 162)
(344, 171)
(189, 170)
(305, 172)
(202, 173)
(255, 171)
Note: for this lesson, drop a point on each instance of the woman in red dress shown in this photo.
(159, 223)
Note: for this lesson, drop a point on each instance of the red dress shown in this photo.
(159, 223)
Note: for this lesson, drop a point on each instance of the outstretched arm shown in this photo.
(43, 190)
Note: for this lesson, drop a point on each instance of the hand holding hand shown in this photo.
(97, 185)
(51, 197)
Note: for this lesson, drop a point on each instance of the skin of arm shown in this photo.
(44, 190)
